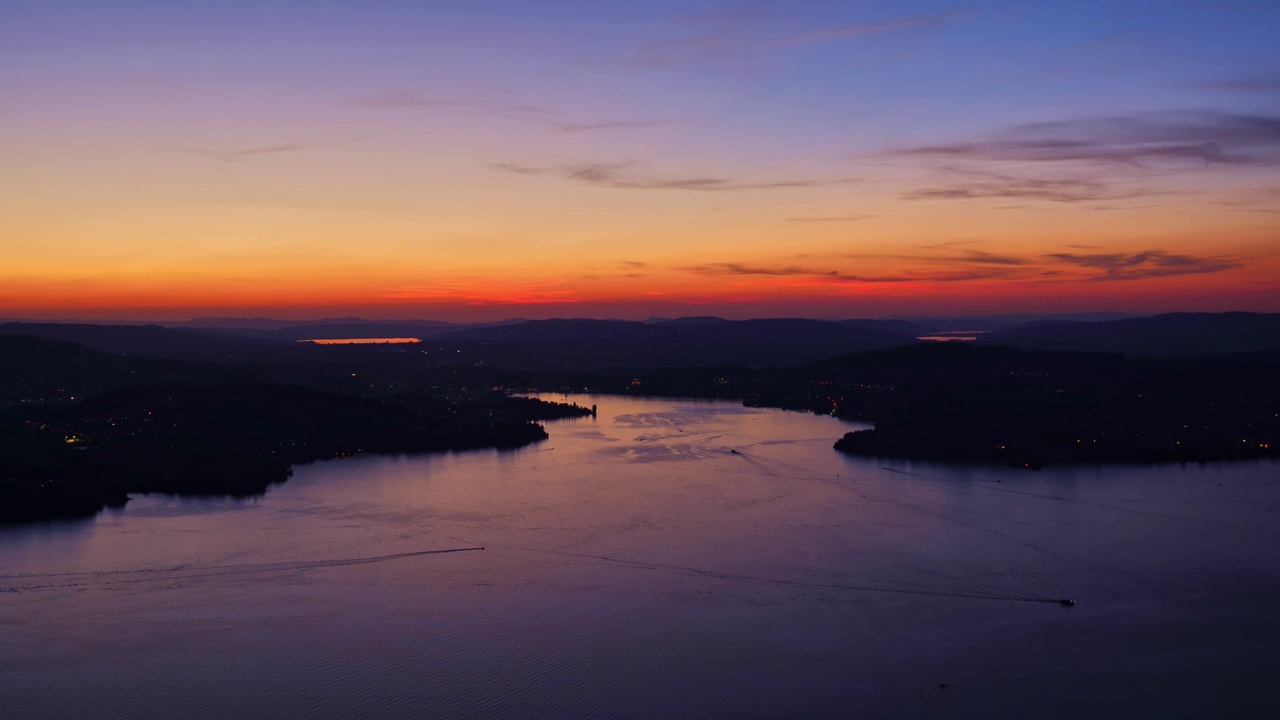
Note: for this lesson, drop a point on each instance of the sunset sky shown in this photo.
(167, 159)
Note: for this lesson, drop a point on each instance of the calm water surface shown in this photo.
(636, 566)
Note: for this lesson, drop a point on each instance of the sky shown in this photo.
(493, 159)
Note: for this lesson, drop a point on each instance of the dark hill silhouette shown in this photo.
(23, 356)
(997, 323)
(32, 369)
(597, 344)
(688, 321)
(994, 404)
(358, 329)
(558, 329)
(1169, 335)
(260, 323)
(956, 363)
(905, 328)
(156, 341)
(998, 404)
(37, 370)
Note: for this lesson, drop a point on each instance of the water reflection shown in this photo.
(953, 336)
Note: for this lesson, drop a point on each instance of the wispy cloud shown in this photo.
(518, 169)
(967, 257)
(1256, 200)
(584, 127)
(1161, 139)
(946, 243)
(985, 258)
(731, 268)
(485, 106)
(969, 185)
(977, 265)
(812, 276)
(1146, 264)
(231, 156)
(1248, 207)
(478, 292)
(834, 219)
(1094, 160)
(622, 176)
(469, 105)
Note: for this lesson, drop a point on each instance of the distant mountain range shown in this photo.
(1169, 335)
(582, 344)
(996, 323)
(592, 344)
(154, 341)
(532, 344)
(260, 323)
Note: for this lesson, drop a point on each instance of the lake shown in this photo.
(665, 559)
(364, 341)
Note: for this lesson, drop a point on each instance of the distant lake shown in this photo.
(953, 336)
(363, 341)
(666, 559)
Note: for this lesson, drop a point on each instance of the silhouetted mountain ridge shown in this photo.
(155, 341)
(688, 321)
(594, 344)
(996, 404)
(1168, 335)
(587, 344)
(905, 328)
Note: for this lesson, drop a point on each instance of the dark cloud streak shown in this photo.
(971, 185)
(471, 105)
(835, 277)
(985, 258)
(981, 265)
(231, 156)
(1146, 264)
(1164, 138)
(618, 176)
